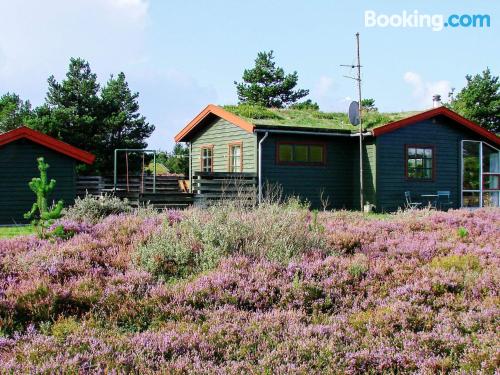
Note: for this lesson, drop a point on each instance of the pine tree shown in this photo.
(267, 85)
(78, 112)
(123, 125)
(72, 107)
(42, 216)
(479, 100)
(14, 112)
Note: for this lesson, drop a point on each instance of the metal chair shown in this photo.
(443, 200)
(409, 203)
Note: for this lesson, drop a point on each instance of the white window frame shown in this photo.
(481, 175)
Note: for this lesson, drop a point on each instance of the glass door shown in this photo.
(480, 174)
(491, 176)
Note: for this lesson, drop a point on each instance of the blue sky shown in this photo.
(182, 55)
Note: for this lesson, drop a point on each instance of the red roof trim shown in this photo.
(218, 111)
(47, 141)
(436, 112)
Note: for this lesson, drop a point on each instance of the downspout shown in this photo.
(260, 166)
(190, 167)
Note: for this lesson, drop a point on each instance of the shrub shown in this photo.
(359, 266)
(203, 238)
(463, 263)
(92, 209)
(462, 232)
(41, 214)
(275, 302)
(63, 327)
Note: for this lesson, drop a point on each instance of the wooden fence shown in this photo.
(215, 186)
(170, 191)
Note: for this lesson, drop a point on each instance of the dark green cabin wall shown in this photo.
(369, 172)
(18, 166)
(335, 178)
(442, 133)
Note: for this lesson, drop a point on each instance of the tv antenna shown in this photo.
(359, 120)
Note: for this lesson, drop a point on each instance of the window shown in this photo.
(480, 174)
(236, 157)
(207, 158)
(420, 162)
(301, 153)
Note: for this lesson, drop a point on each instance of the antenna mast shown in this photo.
(358, 79)
(361, 187)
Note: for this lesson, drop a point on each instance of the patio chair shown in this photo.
(409, 203)
(443, 200)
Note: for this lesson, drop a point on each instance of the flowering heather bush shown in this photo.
(272, 290)
(92, 208)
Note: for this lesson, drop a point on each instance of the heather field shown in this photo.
(278, 289)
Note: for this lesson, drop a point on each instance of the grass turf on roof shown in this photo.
(300, 118)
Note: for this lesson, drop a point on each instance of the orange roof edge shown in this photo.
(218, 111)
(47, 141)
(392, 126)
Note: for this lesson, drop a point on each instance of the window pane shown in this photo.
(285, 152)
(300, 153)
(206, 159)
(316, 154)
(428, 163)
(235, 159)
(420, 152)
(491, 199)
(427, 173)
(471, 165)
(491, 182)
(471, 199)
(491, 159)
(428, 152)
(411, 151)
(235, 150)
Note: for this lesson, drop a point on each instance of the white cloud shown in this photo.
(323, 87)
(37, 38)
(424, 90)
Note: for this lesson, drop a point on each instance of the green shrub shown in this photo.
(204, 237)
(462, 232)
(63, 327)
(359, 266)
(41, 214)
(92, 209)
(464, 263)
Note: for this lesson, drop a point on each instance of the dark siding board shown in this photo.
(441, 133)
(18, 166)
(369, 172)
(307, 182)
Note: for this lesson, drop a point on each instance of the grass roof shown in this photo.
(303, 118)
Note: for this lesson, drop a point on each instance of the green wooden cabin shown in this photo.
(316, 156)
(19, 150)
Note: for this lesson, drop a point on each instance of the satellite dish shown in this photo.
(354, 113)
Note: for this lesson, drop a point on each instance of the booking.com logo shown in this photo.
(436, 22)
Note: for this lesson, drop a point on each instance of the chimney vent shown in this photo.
(436, 101)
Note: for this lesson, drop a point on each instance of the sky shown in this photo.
(182, 55)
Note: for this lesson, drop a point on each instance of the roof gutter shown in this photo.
(300, 132)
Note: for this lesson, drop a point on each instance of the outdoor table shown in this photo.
(430, 198)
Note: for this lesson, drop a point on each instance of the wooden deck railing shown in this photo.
(215, 186)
